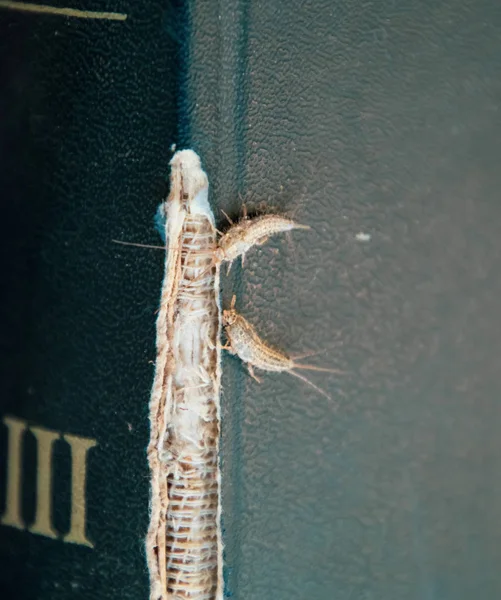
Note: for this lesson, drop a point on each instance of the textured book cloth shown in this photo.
(88, 114)
(376, 124)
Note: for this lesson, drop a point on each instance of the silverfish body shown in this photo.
(244, 341)
(240, 238)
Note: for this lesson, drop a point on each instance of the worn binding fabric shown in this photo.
(184, 541)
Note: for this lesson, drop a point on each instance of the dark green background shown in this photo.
(377, 117)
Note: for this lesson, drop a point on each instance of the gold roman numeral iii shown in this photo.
(45, 439)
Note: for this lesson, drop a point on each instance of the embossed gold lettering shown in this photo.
(43, 524)
(43, 515)
(12, 514)
(79, 448)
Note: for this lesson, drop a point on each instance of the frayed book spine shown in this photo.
(184, 547)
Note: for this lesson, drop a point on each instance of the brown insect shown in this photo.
(241, 237)
(245, 234)
(244, 341)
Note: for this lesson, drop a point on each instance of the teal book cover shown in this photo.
(375, 123)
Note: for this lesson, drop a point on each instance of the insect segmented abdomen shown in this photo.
(246, 343)
(241, 237)
(250, 348)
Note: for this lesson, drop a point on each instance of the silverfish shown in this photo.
(244, 341)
